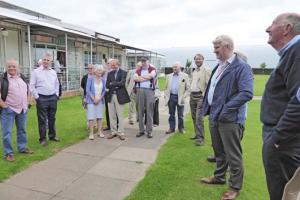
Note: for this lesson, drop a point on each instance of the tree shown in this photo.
(188, 65)
(263, 67)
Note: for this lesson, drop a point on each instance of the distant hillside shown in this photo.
(256, 54)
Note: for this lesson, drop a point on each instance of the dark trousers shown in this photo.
(156, 113)
(173, 104)
(280, 163)
(107, 114)
(46, 110)
(226, 141)
(196, 100)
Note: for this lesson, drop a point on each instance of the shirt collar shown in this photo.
(228, 61)
(10, 76)
(289, 45)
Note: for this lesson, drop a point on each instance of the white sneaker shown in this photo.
(91, 137)
(101, 135)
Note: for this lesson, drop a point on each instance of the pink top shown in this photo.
(17, 94)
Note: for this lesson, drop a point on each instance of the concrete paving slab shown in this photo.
(71, 161)
(134, 154)
(10, 192)
(93, 187)
(88, 147)
(119, 169)
(44, 179)
(146, 143)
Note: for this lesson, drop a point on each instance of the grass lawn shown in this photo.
(162, 83)
(180, 164)
(259, 84)
(70, 126)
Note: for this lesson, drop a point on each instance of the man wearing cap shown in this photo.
(145, 84)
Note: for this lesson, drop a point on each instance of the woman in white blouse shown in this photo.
(95, 90)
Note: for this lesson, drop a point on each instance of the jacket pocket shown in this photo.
(227, 115)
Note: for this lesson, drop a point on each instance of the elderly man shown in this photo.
(200, 77)
(130, 84)
(117, 96)
(45, 89)
(176, 91)
(280, 105)
(14, 107)
(229, 89)
(145, 85)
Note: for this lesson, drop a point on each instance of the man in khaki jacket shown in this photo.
(177, 89)
(200, 78)
(130, 83)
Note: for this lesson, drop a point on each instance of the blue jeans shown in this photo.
(173, 104)
(8, 116)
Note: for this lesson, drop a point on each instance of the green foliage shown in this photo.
(263, 65)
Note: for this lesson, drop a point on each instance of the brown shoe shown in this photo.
(230, 194)
(27, 151)
(212, 180)
(9, 158)
(169, 131)
(122, 137)
(111, 136)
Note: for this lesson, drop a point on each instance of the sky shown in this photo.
(159, 24)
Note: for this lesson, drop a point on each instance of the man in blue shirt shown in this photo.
(177, 89)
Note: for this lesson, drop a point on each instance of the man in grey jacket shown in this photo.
(229, 89)
(280, 107)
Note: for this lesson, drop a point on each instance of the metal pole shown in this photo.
(29, 49)
(67, 63)
(135, 59)
(113, 51)
(91, 50)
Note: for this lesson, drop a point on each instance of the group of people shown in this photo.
(222, 94)
(15, 98)
(113, 90)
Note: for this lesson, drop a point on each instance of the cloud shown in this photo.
(157, 24)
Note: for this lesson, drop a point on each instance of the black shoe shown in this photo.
(140, 134)
(199, 142)
(106, 129)
(211, 158)
(182, 131)
(43, 143)
(54, 139)
(149, 135)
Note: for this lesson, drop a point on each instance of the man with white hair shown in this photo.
(176, 91)
(14, 107)
(229, 89)
(44, 86)
(280, 105)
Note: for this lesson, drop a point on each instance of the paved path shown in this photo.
(90, 170)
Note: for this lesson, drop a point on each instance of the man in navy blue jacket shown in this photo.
(280, 106)
(229, 89)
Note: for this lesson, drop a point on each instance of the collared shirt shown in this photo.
(216, 77)
(175, 83)
(44, 81)
(288, 45)
(195, 78)
(17, 94)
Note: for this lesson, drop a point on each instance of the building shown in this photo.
(27, 35)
